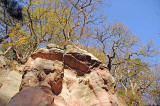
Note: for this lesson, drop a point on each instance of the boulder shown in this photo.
(33, 96)
(10, 84)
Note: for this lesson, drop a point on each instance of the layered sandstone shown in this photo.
(65, 77)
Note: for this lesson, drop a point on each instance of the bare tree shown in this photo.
(83, 15)
(123, 55)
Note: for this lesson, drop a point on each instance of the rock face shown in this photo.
(10, 81)
(74, 76)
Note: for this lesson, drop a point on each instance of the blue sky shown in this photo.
(141, 16)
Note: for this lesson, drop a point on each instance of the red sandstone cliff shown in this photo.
(65, 77)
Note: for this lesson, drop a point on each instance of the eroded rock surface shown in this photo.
(10, 79)
(75, 77)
